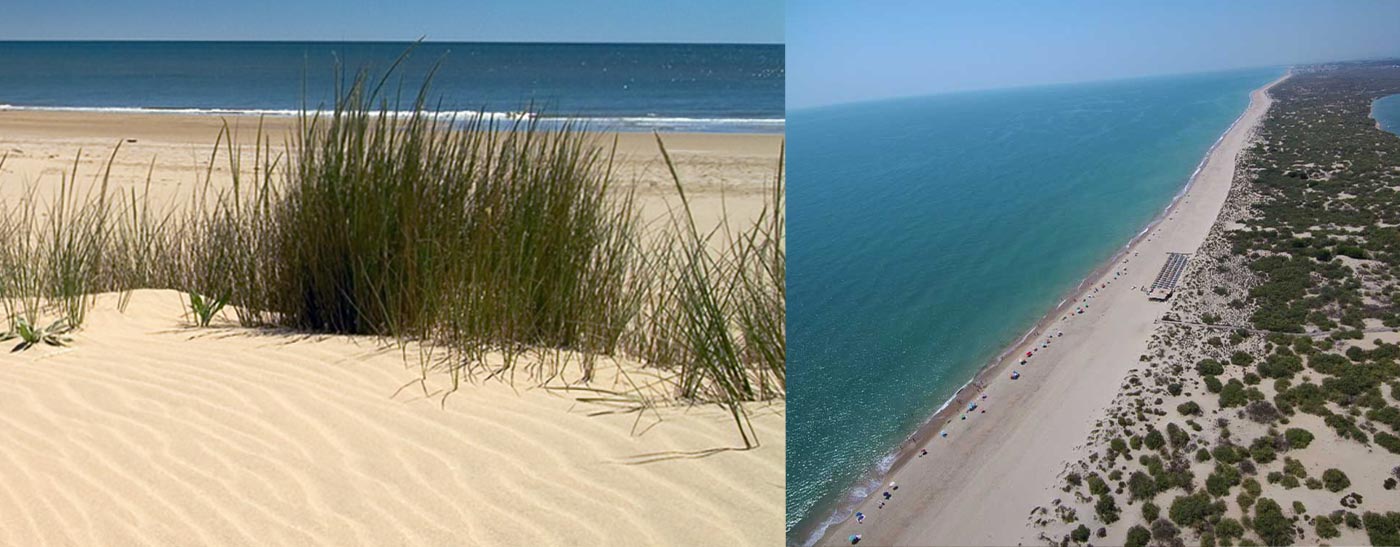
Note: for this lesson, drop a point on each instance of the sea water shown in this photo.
(637, 87)
(1386, 111)
(929, 233)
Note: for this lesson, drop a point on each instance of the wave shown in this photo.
(623, 123)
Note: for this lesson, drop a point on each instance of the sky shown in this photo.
(688, 21)
(841, 51)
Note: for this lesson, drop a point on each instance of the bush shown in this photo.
(1191, 509)
(1163, 531)
(1227, 453)
(1233, 394)
(1229, 528)
(1154, 440)
(1220, 480)
(1080, 534)
(1241, 359)
(1141, 487)
(1335, 480)
(1388, 441)
(1213, 384)
(1107, 509)
(1270, 523)
(1210, 367)
(1262, 412)
(1280, 366)
(1298, 438)
(1150, 512)
(1262, 450)
(1138, 537)
(1189, 408)
(1325, 528)
(1178, 436)
(1097, 486)
(1382, 529)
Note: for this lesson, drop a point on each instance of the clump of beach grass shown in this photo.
(476, 237)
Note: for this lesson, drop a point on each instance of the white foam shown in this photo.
(625, 121)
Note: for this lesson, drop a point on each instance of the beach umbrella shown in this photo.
(1015, 375)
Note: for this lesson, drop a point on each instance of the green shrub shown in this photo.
(1188, 510)
(1388, 441)
(1325, 529)
(1298, 438)
(1233, 394)
(1241, 359)
(1080, 534)
(1335, 480)
(1154, 440)
(1141, 486)
(1209, 367)
(1106, 509)
(1138, 537)
(1150, 512)
(1229, 528)
(1382, 529)
(1270, 523)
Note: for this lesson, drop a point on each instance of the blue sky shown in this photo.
(723, 21)
(844, 50)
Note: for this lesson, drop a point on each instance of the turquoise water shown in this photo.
(1386, 110)
(934, 231)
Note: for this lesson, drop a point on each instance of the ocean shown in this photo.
(1386, 111)
(935, 231)
(629, 87)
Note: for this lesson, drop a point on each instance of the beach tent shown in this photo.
(855, 538)
(1015, 375)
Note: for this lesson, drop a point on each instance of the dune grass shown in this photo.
(475, 236)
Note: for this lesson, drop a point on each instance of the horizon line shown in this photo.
(1078, 82)
(423, 41)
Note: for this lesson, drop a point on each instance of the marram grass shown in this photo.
(473, 236)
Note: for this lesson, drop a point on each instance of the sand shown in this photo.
(725, 173)
(148, 431)
(978, 485)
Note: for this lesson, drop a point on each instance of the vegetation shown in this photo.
(472, 236)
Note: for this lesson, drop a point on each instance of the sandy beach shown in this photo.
(979, 484)
(148, 431)
(720, 170)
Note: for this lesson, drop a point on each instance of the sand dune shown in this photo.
(149, 431)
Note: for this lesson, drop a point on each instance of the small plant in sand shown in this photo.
(205, 308)
(31, 335)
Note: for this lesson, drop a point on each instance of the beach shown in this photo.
(149, 431)
(980, 483)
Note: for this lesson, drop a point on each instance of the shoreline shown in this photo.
(613, 124)
(908, 449)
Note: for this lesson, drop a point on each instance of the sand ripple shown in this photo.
(146, 432)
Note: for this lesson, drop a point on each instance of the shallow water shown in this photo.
(1386, 111)
(935, 231)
